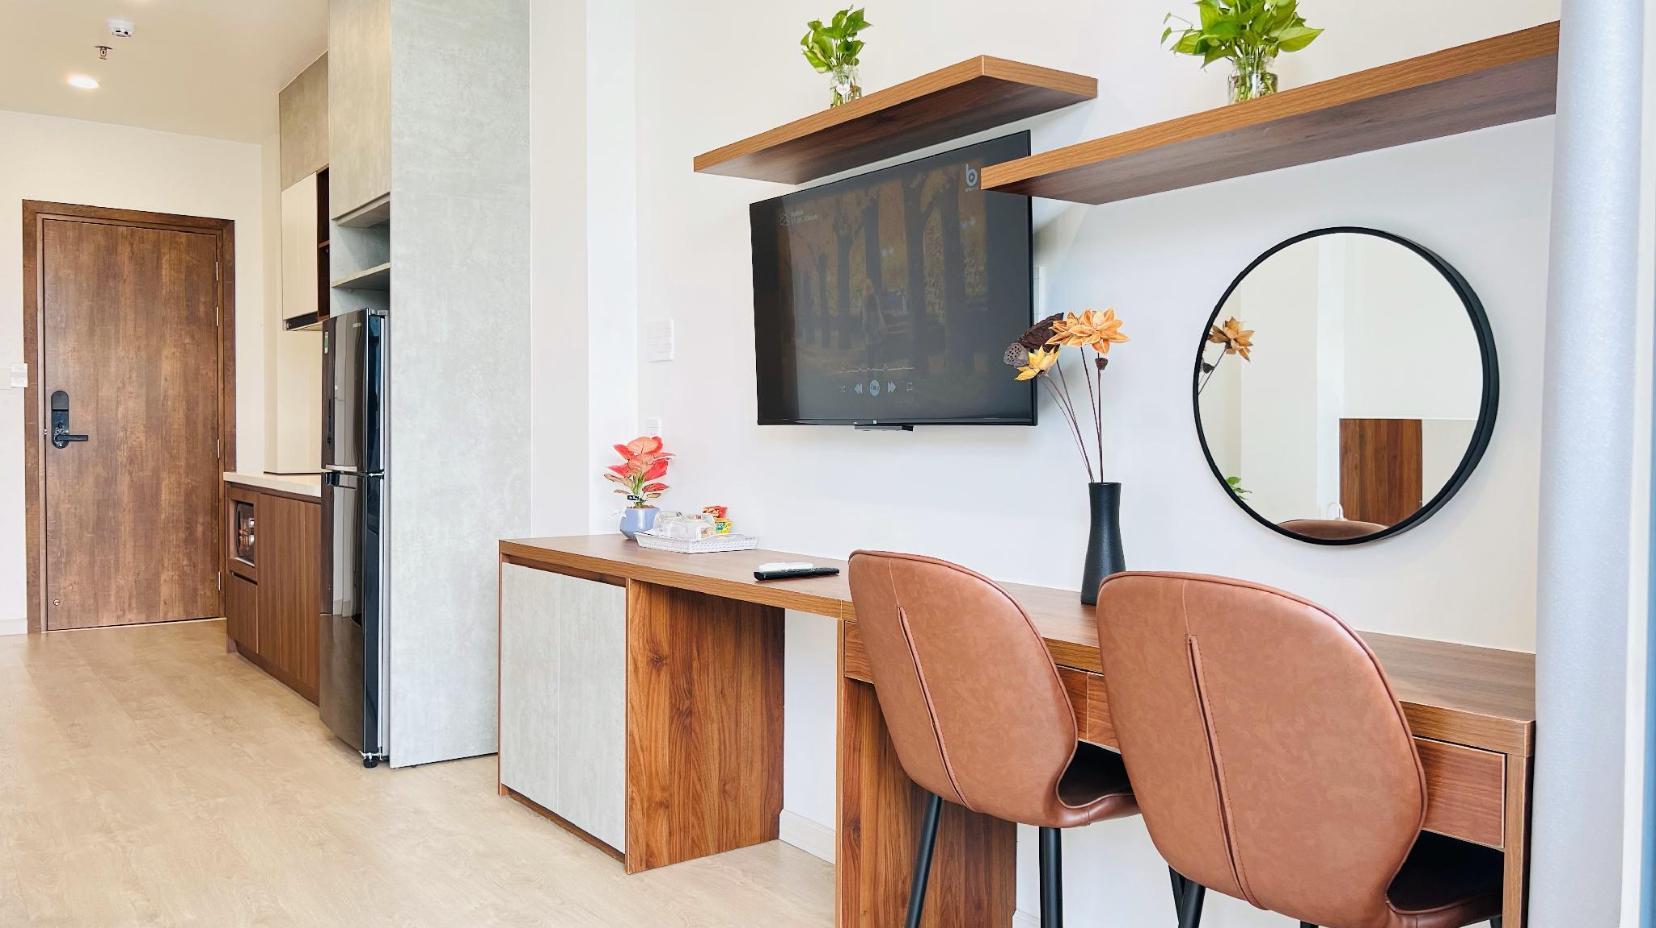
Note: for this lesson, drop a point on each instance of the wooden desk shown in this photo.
(704, 729)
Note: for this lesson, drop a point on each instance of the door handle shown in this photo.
(61, 437)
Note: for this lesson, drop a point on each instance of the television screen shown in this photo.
(890, 298)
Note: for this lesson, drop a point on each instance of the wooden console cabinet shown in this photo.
(272, 588)
(702, 687)
(563, 698)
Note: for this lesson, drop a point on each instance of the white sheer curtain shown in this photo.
(1585, 560)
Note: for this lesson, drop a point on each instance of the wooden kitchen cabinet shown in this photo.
(241, 613)
(274, 588)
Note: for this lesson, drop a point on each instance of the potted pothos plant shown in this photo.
(1249, 33)
(643, 463)
(834, 49)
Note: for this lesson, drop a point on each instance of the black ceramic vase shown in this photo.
(1104, 555)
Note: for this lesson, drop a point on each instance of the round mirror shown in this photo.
(1345, 386)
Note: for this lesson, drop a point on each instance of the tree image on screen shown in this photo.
(890, 297)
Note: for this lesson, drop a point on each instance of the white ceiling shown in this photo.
(201, 67)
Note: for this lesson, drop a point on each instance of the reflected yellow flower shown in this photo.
(1236, 339)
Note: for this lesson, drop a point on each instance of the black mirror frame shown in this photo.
(1486, 412)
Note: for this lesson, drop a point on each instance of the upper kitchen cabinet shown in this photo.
(359, 110)
(303, 106)
(303, 114)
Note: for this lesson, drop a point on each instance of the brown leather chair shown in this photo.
(1332, 529)
(976, 710)
(1272, 761)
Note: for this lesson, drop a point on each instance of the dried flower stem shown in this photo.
(1075, 420)
(1095, 390)
(1069, 416)
(1210, 371)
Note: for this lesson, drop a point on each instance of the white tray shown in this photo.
(713, 544)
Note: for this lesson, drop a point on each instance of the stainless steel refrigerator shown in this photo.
(353, 681)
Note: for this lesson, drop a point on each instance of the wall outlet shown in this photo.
(20, 376)
(658, 340)
(652, 425)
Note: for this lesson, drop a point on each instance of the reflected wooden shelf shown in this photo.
(1505, 79)
(974, 95)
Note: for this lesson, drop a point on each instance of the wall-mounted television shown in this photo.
(888, 299)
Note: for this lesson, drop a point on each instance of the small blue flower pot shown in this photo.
(634, 520)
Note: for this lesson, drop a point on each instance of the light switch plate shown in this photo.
(652, 425)
(20, 376)
(658, 340)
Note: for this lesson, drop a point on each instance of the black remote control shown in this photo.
(795, 572)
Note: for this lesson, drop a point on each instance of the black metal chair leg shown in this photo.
(1190, 903)
(923, 860)
(1052, 879)
(1178, 891)
(1307, 925)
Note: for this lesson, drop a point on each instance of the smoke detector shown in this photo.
(120, 28)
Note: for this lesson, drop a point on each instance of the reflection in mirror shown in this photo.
(1346, 386)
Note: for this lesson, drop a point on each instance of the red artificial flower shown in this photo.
(643, 460)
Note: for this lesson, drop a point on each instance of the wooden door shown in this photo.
(128, 327)
(1380, 469)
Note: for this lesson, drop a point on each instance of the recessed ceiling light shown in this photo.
(83, 81)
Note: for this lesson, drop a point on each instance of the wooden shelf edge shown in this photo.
(1058, 89)
(306, 322)
(377, 277)
(375, 212)
(1049, 173)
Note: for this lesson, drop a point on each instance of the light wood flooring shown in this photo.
(149, 778)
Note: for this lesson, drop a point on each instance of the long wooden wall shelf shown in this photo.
(1501, 80)
(969, 97)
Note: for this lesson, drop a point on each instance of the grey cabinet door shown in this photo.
(359, 103)
(563, 726)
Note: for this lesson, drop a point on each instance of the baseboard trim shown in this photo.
(814, 838)
(14, 626)
(1022, 919)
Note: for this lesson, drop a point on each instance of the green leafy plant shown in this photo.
(836, 44)
(834, 48)
(1250, 33)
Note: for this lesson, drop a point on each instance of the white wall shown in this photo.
(972, 494)
(67, 160)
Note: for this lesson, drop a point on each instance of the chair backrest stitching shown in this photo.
(925, 691)
(1217, 765)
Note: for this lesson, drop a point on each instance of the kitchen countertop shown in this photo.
(296, 484)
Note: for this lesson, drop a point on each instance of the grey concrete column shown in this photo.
(1586, 471)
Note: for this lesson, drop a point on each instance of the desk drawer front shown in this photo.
(1464, 791)
(1464, 785)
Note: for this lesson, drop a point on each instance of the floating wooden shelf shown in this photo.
(1501, 80)
(377, 277)
(969, 97)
